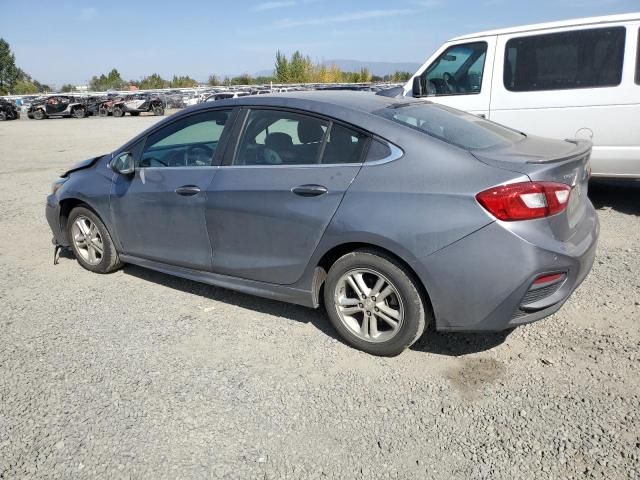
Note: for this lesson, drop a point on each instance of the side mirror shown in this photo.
(418, 91)
(124, 164)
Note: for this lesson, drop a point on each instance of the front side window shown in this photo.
(452, 126)
(458, 71)
(189, 142)
(567, 60)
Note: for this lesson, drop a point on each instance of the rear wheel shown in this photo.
(118, 112)
(375, 303)
(158, 110)
(3, 116)
(91, 242)
(38, 114)
(79, 112)
(103, 112)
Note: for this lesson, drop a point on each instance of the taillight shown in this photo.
(526, 200)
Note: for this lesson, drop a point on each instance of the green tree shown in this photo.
(112, 81)
(67, 87)
(183, 82)
(244, 79)
(282, 68)
(152, 82)
(213, 80)
(8, 69)
(24, 87)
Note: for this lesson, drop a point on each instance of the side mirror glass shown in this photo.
(124, 164)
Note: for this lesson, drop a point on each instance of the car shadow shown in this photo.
(619, 195)
(439, 343)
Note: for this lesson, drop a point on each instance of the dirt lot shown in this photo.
(141, 375)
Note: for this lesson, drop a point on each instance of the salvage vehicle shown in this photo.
(394, 213)
(570, 79)
(58, 106)
(8, 110)
(136, 104)
(225, 96)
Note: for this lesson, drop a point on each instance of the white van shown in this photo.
(572, 79)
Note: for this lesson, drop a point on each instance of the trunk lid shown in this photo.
(548, 160)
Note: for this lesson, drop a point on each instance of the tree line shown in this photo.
(297, 68)
(13, 79)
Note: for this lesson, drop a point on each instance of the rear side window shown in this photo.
(344, 145)
(564, 61)
(452, 126)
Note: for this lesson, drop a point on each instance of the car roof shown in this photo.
(333, 102)
(559, 24)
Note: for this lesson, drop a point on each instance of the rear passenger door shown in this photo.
(271, 201)
(575, 82)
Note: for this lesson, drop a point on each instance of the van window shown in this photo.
(638, 61)
(458, 71)
(567, 60)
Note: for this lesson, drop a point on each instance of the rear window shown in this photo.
(452, 126)
(565, 61)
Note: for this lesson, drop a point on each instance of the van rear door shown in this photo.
(459, 75)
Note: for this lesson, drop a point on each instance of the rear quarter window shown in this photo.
(458, 128)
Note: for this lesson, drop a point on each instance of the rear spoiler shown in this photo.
(583, 147)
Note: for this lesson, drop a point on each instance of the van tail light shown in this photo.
(526, 200)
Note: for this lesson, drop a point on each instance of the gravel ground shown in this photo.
(140, 375)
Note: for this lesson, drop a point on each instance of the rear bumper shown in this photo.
(52, 211)
(480, 282)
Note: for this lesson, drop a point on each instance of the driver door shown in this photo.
(461, 74)
(56, 105)
(159, 211)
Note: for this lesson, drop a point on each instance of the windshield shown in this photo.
(452, 126)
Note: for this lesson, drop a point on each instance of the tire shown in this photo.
(134, 114)
(39, 115)
(3, 116)
(406, 300)
(158, 111)
(105, 262)
(103, 112)
(79, 113)
(118, 112)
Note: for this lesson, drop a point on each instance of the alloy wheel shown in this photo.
(369, 305)
(87, 240)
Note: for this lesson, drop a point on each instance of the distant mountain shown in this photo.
(376, 68)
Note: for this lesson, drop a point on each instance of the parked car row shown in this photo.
(84, 106)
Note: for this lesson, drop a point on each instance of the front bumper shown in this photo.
(52, 211)
(479, 282)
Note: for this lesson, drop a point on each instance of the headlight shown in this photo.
(55, 186)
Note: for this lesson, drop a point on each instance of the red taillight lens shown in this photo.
(526, 200)
(549, 278)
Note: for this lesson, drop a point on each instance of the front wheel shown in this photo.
(158, 111)
(375, 303)
(103, 112)
(3, 116)
(38, 114)
(91, 242)
(79, 113)
(118, 112)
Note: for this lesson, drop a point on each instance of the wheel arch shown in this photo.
(67, 205)
(334, 253)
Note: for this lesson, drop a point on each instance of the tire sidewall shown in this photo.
(110, 260)
(415, 316)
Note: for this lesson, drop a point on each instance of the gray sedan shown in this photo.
(394, 214)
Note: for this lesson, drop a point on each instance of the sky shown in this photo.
(70, 41)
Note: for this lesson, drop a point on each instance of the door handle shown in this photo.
(188, 190)
(309, 190)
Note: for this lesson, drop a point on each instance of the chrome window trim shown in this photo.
(396, 154)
